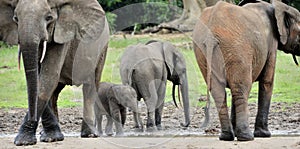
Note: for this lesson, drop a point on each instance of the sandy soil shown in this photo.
(162, 142)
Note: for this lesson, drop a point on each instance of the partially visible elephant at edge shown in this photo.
(113, 101)
(62, 42)
(147, 67)
(236, 46)
(8, 28)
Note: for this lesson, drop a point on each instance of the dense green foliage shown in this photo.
(144, 13)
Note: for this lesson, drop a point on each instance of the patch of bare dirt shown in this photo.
(284, 119)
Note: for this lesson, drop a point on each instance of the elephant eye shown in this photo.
(15, 18)
(49, 18)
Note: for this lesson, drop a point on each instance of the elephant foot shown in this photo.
(159, 127)
(88, 135)
(109, 133)
(138, 129)
(226, 136)
(245, 137)
(51, 136)
(258, 132)
(100, 133)
(151, 129)
(26, 135)
(87, 132)
(120, 134)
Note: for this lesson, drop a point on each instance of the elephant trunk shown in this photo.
(185, 100)
(31, 35)
(30, 61)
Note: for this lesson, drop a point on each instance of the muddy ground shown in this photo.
(284, 120)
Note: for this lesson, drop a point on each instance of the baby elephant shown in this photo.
(113, 100)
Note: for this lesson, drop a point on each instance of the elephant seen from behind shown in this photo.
(147, 67)
(113, 101)
(62, 42)
(236, 46)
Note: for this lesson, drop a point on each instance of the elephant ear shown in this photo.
(170, 56)
(8, 28)
(79, 19)
(284, 15)
(115, 93)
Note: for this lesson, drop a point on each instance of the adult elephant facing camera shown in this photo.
(238, 51)
(75, 34)
(147, 67)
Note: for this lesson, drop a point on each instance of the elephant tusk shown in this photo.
(178, 90)
(173, 95)
(44, 51)
(19, 56)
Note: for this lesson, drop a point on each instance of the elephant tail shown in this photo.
(209, 53)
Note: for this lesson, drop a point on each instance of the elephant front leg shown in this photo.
(138, 126)
(116, 116)
(88, 129)
(99, 118)
(109, 126)
(51, 130)
(27, 131)
(264, 99)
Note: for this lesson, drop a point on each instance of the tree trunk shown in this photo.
(191, 13)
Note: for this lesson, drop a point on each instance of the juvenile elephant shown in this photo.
(112, 102)
(75, 34)
(147, 67)
(236, 46)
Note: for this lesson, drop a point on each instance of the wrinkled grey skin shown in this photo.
(236, 52)
(147, 67)
(76, 32)
(8, 28)
(113, 101)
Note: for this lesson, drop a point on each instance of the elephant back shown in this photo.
(134, 55)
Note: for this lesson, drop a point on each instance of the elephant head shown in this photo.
(176, 66)
(53, 23)
(288, 28)
(125, 95)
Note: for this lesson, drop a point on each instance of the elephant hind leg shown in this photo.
(151, 103)
(161, 92)
(219, 94)
(240, 116)
(158, 115)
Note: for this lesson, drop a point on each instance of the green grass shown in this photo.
(13, 85)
